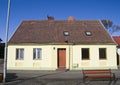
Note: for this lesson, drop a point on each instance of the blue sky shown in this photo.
(39, 9)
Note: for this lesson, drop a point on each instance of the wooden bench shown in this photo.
(98, 75)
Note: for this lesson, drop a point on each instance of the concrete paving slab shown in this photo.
(52, 78)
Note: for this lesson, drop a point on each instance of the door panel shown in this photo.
(61, 58)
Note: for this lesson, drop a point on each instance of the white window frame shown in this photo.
(66, 33)
(88, 33)
(19, 53)
(37, 53)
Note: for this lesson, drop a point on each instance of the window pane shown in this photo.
(88, 33)
(19, 54)
(102, 53)
(34, 53)
(66, 33)
(85, 53)
(38, 54)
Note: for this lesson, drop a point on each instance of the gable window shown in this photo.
(19, 54)
(37, 53)
(85, 53)
(88, 33)
(66, 33)
(102, 53)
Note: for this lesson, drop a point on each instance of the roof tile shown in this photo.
(117, 39)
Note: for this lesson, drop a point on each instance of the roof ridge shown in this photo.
(58, 20)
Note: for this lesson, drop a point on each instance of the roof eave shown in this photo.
(62, 44)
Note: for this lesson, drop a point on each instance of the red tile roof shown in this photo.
(51, 32)
(117, 39)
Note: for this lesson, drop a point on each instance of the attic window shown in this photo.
(66, 33)
(88, 33)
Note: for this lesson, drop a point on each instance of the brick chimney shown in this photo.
(71, 18)
(50, 17)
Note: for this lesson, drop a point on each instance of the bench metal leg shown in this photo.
(114, 82)
(86, 82)
(110, 82)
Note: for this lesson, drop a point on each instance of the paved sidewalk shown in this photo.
(51, 78)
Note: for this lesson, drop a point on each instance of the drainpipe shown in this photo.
(69, 57)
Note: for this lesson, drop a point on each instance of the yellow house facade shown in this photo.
(73, 58)
(61, 45)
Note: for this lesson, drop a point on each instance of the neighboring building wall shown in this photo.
(50, 53)
(118, 57)
(2, 46)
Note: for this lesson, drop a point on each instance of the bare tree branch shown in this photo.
(110, 26)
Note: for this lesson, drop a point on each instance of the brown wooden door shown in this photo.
(61, 58)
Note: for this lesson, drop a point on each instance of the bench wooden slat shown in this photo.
(96, 72)
(98, 76)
